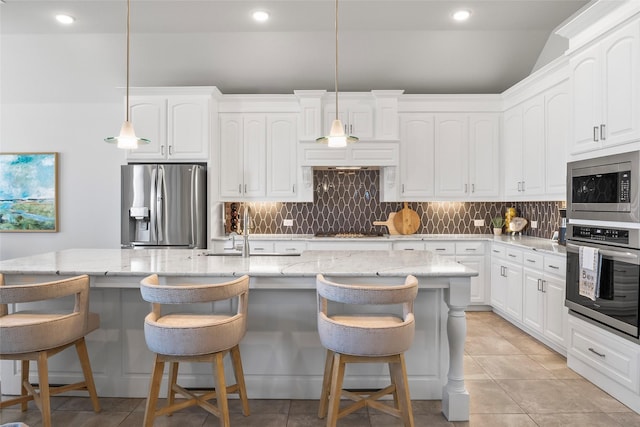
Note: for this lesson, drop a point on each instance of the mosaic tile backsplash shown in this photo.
(349, 202)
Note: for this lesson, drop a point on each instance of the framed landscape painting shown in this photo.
(28, 192)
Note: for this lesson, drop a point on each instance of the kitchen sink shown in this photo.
(252, 255)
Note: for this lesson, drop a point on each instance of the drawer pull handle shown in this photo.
(470, 249)
(596, 353)
(512, 255)
(440, 249)
(530, 260)
(555, 267)
(495, 251)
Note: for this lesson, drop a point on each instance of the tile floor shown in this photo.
(513, 381)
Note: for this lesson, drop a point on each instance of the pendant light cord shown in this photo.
(128, 25)
(336, 71)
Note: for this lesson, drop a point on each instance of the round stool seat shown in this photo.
(366, 335)
(190, 334)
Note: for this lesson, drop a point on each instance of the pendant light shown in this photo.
(337, 137)
(127, 139)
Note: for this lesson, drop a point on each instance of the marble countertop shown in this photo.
(526, 242)
(196, 262)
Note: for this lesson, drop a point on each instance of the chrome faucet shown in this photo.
(246, 223)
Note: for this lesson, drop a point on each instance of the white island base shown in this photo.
(281, 353)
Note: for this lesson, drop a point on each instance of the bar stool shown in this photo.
(195, 337)
(365, 338)
(27, 335)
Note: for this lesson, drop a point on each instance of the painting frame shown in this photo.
(29, 192)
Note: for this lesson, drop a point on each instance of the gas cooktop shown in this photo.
(347, 235)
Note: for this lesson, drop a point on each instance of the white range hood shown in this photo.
(370, 154)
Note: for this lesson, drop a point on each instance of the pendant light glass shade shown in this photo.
(127, 140)
(337, 137)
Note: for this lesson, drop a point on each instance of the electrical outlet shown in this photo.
(534, 224)
(288, 223)
(478, 222)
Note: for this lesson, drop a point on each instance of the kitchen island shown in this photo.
(281, 352)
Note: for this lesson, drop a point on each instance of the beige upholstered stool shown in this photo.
(195, 337)
(365, 338)
(37, 335)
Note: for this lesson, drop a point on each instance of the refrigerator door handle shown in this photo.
(153, 196)
(193, 206)
(160, 194)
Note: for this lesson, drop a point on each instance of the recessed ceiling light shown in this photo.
(461, 15)
(260, 15)
(65, 19)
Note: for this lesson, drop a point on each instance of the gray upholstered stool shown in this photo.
(195, 337)
(365, 338)
(39, 334)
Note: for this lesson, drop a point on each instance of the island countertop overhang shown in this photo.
(117, 267)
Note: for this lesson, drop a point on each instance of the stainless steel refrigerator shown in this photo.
(164, 205)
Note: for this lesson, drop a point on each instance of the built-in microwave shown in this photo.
(604, 188)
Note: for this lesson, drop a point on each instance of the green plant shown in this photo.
(497, 222)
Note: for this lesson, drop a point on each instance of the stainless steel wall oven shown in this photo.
(616, 307)
(603, 213)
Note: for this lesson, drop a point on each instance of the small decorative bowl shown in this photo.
(516, 224)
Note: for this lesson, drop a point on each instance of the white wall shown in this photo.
(53, 104)
(88, 173)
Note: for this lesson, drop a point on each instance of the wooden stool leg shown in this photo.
(25, 379)
(173, 380)
(399, 375)
(239, 374)
(326, 385)
(221, 390)
(83, 355)
(154, 390)
(45, 398)
(337, 376)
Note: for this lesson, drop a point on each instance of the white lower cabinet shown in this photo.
(607, 360)
(544, 295)
(528, 289)
(506, 281)
(468, 253)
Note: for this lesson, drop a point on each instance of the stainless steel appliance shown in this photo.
(164, 205)
(605, 188)
(616, 307)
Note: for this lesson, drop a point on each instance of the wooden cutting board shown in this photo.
(389, 224)
(406, 220)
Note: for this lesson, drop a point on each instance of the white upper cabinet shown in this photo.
(356, 117)
(451, 155)
(467, 156)
(282, 142)
(242, 156)
(533, 142)
(557, 130)
(177, 125)
(258, 157)
(534, 146)
(524, 143)
(484, 156)
(605, 91)
(417, 145)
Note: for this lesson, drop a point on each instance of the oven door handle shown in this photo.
(610, 254)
